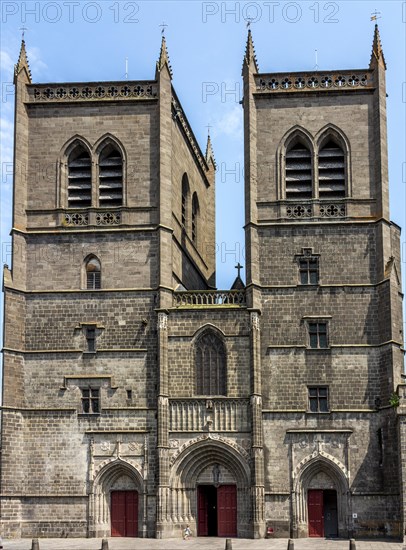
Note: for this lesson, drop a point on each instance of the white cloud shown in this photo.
(7, 64)
(230, 124)
(37, 66)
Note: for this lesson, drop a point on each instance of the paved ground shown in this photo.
(199, 544)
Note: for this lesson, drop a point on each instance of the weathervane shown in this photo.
(163, 25)
(375, 15)
(249, 20)
(23, 29)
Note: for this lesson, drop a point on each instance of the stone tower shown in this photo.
(324, 272)
(138, 398)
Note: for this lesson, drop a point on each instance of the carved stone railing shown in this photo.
(93, 91)
(84, 218)
(217, 415)
(314, 81)
(209, 298)
(313, 209)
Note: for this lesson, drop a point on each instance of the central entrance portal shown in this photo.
(217, 511)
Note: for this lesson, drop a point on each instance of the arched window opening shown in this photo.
(79, 178)
(195, 216)
(110, 177)
(210, 365)
(331, 171)
(185, 195)
(298, 176)
(93, 274)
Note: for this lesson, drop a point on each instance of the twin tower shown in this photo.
(138, 398)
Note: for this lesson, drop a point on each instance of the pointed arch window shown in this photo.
(93, 274)
(195, 217)
(298, 171)
(185, 196)
(110, 177)
(331, 163)
(211, 371)
(79, 178)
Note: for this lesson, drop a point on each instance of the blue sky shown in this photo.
(90, 40)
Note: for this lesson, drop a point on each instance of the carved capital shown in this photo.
(254, 321)
(162, 321)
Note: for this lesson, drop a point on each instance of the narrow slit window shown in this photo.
(195, 215)
(91, 339)
(185, 196)
(298, 176)
(331, 171)
(79, 178)
(110, 178)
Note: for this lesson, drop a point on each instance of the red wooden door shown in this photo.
(202, 503)
(315, 512)
(124, 514)
(227, 511)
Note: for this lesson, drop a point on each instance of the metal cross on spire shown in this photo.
(375, 15)
(238, 267)
(208, 129)
(23, 29)
(249, 20)
(163, 25)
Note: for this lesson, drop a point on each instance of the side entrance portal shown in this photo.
(217, 511)
(322, 513)
(124, 514)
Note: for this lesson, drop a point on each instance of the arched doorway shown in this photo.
(321, 498)
(216, 503)
(209, 490)
(117, 504)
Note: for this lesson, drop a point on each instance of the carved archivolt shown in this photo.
(207, 437)
(117, 461)
(317, 455)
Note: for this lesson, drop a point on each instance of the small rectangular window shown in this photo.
(309, 271)
(91, 339)
(91, 400)
(318, 399)
(318, 335)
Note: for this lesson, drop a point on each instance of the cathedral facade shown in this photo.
(138, 398)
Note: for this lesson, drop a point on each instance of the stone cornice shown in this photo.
(315, 81)
(85, 92)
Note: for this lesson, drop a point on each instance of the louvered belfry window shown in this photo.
(211, 369)
(110, 178)
(331, 171)
(79, 179)
(298, 177)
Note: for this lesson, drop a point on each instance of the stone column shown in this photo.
(162, 428)
(257, 451)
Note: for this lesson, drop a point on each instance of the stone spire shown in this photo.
(377, 51)
(250, 56)
(163, 58)
(22, 63)
(209, 152)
